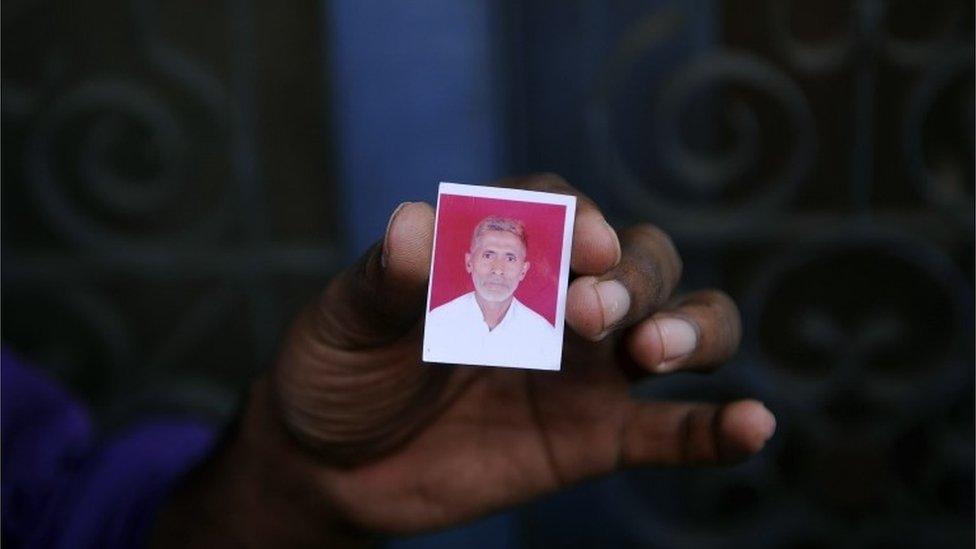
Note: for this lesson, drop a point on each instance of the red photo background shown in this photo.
(457, 218)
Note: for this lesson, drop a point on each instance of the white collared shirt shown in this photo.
(456, 333)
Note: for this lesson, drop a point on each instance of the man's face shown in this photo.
(497, 264)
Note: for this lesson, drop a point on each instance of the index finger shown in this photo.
(596, 248)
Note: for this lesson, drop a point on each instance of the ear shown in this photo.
(525, 269)
(467, 261)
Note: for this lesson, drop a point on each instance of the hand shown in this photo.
(349, 431)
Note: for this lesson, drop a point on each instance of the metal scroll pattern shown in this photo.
(140, 260)
(827, 182)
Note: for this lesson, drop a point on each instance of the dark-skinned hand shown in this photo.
(349, 435)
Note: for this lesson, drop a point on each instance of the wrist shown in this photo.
(258, 489)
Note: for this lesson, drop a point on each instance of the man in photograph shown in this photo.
(490, 322)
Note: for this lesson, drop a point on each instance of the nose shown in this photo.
(497, 266)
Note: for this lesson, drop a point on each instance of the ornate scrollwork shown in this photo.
(106, 159)
(865, 32)
(683, 171)
(944, 184)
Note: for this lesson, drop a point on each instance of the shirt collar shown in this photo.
(509, 314)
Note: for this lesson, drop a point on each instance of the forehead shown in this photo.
(499, 240)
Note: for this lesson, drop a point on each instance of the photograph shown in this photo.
(488, 275)
(497, 293)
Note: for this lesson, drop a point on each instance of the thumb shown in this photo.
(382, 295)
(342, 380)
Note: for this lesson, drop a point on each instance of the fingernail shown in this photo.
(616, 241)
(384, 255)
(679, 338)
(615, 300)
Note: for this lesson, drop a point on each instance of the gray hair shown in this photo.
(504, 224)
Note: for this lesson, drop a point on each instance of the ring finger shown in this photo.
(699, 332)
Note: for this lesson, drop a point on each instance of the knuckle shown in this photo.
(656, 251)
(726, 324)
(730, 320)
(646, 281)
(721, 326)
(652, 232)
(549, 180)
(719, 301)
(656, 287)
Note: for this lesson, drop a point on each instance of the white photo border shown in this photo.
(537, 197)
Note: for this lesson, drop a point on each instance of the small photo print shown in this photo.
(497, 294)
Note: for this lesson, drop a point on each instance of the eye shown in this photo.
(488, 255)
(511, 259)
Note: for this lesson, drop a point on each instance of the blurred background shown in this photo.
(179, 176)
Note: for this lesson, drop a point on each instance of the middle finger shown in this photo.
(643, 280)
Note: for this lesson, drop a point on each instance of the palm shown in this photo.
(502, 436)
(414, 447)
(386, 444)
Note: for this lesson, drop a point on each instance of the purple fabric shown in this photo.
(61, 487)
